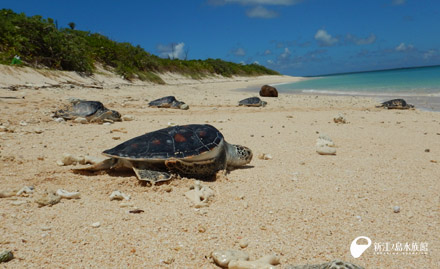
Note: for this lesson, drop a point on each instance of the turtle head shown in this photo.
(184, 106)
(181, 105)
(115, 116)
(238, 155)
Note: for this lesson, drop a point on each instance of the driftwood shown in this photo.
(11, 97)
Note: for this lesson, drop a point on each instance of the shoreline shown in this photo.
(425, 102)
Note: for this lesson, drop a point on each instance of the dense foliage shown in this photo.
(40, 43)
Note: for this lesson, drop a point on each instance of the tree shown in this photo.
(72, 25)
(186, 53)
(173, 50)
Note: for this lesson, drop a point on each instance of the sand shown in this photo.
(302, 206)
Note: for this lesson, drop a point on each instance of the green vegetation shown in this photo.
(40, 43)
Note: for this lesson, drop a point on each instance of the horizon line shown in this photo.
(370, 71)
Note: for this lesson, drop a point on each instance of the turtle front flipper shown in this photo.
(100, 116)
(195, 169)
(151, 176)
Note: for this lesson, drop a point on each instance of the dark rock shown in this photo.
(268, 91)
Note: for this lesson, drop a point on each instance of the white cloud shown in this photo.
(256, 62)
(429, 54)
(399, 2)
(239, 52)
(267, 52)
(257, 10)
(172, 51)
(261, 12)
(325, 39)
(289, 60)
(255, 2)
(361, 41)
(286, 54)
(403, 47)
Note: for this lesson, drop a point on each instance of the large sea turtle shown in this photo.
(396, 104)
(93, 111)
(252, 101)
(168, 102)
(193, 150)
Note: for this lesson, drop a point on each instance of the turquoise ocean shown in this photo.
(419, 85)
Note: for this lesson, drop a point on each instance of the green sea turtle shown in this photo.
(193, 150)
(396, 104)
(168, 102)
(252, 101)
(93, 111)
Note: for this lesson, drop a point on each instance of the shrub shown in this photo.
(38, 41)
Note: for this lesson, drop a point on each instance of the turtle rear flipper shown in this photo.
(104, 165)
(64, 113)
(151, 176)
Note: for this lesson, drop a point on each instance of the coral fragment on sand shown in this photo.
(47, 199)
(340, 119)
(223, 257)
(325, 145)
(199, 195)
(117, 195)
(68, 195)
(69, 159)
(265, 156)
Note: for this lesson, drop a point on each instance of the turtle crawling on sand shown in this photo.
(252, 101)
(168, 102)
(396, 104)
(193, 150)
(93, 111)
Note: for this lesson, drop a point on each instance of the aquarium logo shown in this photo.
(388, 248)
(357, 249)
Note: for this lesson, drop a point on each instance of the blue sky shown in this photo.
(294, 37)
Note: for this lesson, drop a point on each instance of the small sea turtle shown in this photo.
(93, 111)
(396, 104)
(252, 101)
(168, 102)
(193, 150)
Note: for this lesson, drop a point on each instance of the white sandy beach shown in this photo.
(304, 207)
